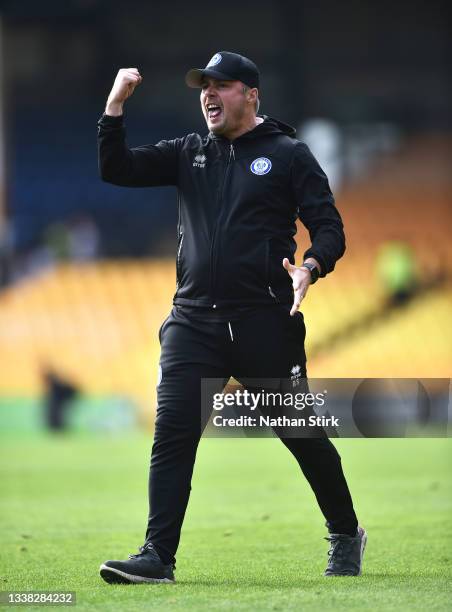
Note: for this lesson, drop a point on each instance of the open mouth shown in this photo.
(213, 111)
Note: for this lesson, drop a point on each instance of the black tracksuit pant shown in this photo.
(266, 343)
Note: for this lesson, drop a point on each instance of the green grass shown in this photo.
(252, 538)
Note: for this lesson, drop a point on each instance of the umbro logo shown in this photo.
(200, 161)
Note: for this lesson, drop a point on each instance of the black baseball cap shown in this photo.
(225, 66)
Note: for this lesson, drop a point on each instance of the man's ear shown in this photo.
(252, 95)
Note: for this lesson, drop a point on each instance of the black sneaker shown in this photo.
(144, 567)
(346, 553)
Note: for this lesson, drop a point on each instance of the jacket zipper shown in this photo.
(178, 258)
(213, 254)
(180, 234)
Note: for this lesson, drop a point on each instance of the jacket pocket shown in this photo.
(268, 269)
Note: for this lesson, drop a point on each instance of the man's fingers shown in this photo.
(126, 81)
(298, 298)
(134, 75)
(300, 283)
(128, 75)
(296, 303)
(134, 71)
(124, 85)
(287, 265)
(131, 78)
(295, 308)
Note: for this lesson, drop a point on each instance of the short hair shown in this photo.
(257, 103)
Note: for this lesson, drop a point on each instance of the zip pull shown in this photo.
(180, 246)
(230, 331)
(270, 290)
(231, 152)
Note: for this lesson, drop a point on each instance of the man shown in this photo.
(235, 310)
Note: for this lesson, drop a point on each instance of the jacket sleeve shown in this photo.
(145, 166)
(316, 210)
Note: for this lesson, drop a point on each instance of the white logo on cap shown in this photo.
(261, 165)
(216, 59)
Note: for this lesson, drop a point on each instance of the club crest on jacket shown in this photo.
(261, 165)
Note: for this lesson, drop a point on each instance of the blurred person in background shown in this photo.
(241, 188)
(58, 395)
(397, 272)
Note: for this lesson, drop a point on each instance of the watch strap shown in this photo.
(313, 270)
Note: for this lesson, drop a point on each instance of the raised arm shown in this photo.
(144, 166)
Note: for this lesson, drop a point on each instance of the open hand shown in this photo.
(301, 279)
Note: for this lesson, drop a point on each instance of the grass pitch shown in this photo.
(252, 538)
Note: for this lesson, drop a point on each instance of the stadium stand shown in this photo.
(96, 324)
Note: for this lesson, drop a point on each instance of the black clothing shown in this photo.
(265, 345)
(238, 203)
(225, 66)
(227, 315)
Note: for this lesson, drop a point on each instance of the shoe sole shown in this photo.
(361, 555)
(115, 576)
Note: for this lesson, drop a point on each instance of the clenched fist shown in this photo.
(123, 87)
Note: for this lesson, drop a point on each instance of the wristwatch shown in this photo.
(313, 270)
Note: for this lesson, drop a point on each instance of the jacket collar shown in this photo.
(270, 126)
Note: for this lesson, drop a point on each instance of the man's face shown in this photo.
(224, 105)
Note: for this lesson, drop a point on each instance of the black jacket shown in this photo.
(238, 203)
